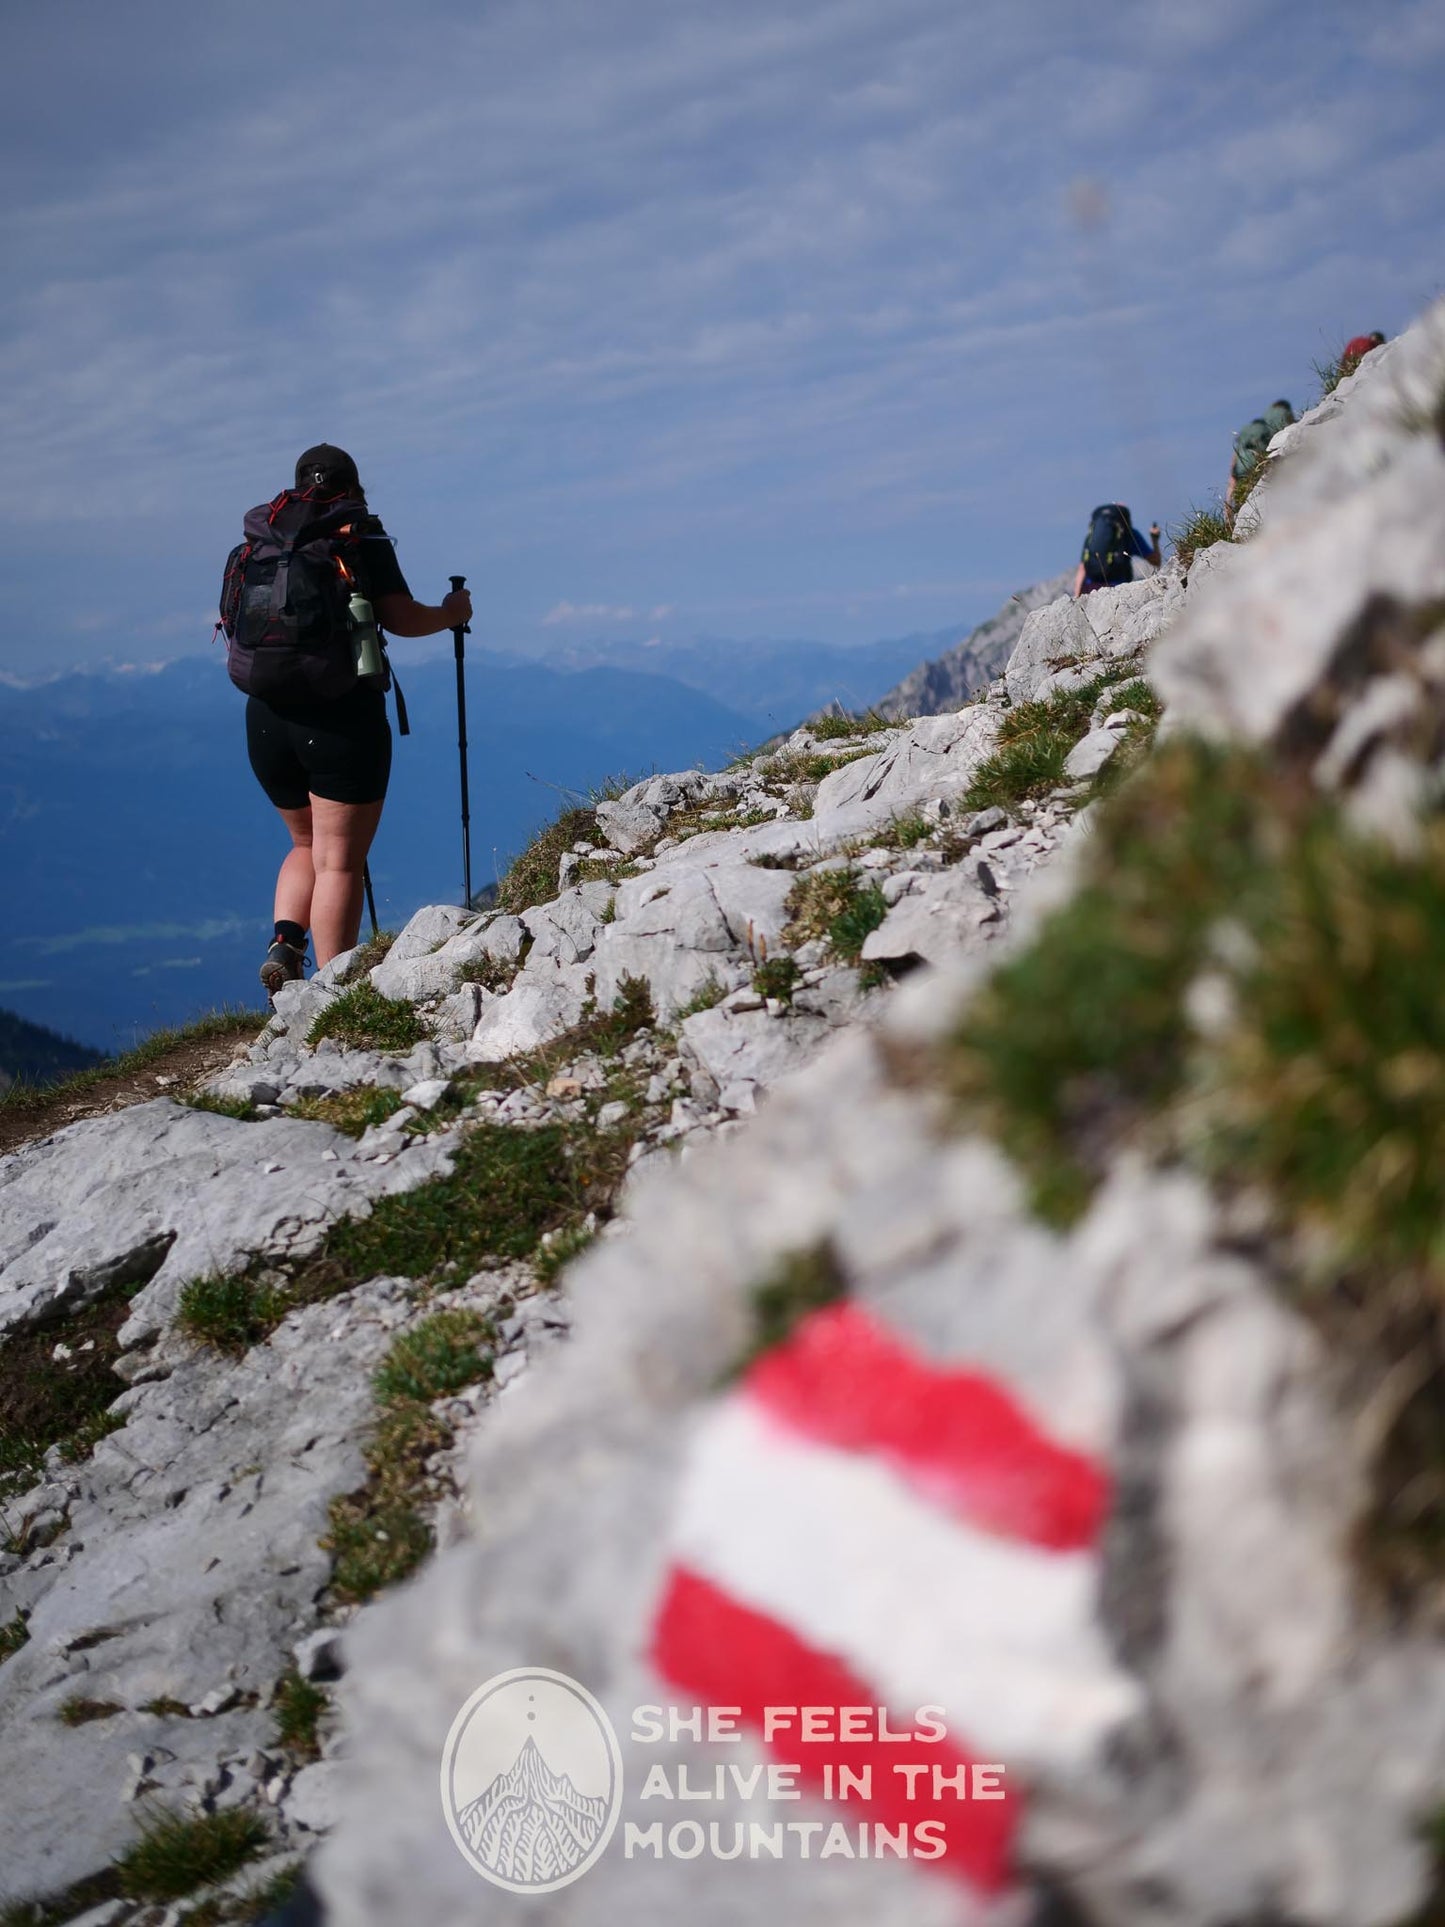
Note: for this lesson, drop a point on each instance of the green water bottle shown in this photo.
(365, 642)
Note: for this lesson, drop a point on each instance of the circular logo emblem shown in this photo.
(531, 1780)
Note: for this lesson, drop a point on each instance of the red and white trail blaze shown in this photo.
(860, 1527)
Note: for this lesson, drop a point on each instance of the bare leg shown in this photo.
(297, 876)
(341, 837)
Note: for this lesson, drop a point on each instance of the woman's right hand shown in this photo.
(457, 605)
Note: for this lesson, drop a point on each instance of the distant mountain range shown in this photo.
(30, 1054)
(775, 684)
(138, 855)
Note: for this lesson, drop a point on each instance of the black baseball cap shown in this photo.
(326, 467)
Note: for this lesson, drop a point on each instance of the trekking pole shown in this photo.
(462, 629)
(370, 898)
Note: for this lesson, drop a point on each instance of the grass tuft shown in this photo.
(707, 996)
(62, 1401)
(834, 905)
(777, 977)
(240, 1108)
(1034, 741)
(351, 1112)
(297, 1707)
(177, 1853)
(13, 1634)
(903, 833)
(837, 724)
(1201, 529)
(372, 952)
(532, 878)
(363, 1019)
(379, 1535)
(80, 1711)
(229, 1311)
(492, 973)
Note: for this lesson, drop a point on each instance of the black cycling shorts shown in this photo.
(340, 750)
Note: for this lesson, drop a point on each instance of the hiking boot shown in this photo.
(284, 964)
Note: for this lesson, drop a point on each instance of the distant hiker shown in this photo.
(1356, 349)
(1251, 447)
(302, 644)
(1110, 548)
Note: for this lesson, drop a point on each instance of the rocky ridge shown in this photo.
(1225, 1759)
(950, 680)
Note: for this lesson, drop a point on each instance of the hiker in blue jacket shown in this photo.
(1110, 548)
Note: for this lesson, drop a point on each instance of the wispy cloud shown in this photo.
(211, 930)
(587, 612)
(719, 300)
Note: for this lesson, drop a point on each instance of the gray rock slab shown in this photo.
(1091, 753)
(936, 757)
(942, 918)
(162, 1193)
(193, 1567)
(750, 1046)
(564, 931)
(540, 1004)
(431, 927)
(630, 826)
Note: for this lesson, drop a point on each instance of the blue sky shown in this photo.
(811, 317)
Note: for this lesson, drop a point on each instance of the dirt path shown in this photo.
(176, 1072)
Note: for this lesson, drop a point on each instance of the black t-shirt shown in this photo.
(379, 564)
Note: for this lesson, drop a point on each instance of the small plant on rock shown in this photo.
(351, 1112)
(380, 1534)
(532, 877)
(240, 1108)
(297, 1707)
(177, 1853)
(777, 977)
(836, 725)
(1034, 741)
(229, 1311)
(78, 1710)
(707, 996)
(365, 1020)
(835, 906)
(1200, 529)
(13, 1635)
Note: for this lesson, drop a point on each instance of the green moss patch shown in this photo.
(78, 1710)
(379, 1535)
(1034, 741)
(351, 1112)
(177, 1853)
(63, 1401)
(297, 1707)
(836, 906)
(365, 1020)
(230, 1311)
(532, 878)
(777, 977)
(1202, 528)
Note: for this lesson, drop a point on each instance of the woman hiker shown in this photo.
(316, 731)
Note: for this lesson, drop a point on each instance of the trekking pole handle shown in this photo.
(460, 582)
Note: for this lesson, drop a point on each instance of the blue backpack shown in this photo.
(1109, 546)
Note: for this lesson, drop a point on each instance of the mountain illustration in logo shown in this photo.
(532, 1826)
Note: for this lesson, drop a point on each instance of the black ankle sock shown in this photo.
(291, 933)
